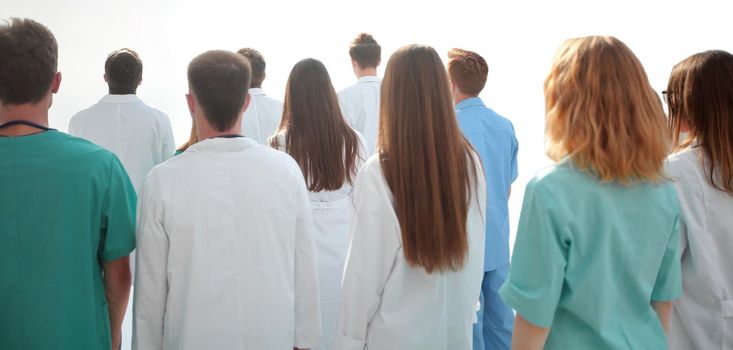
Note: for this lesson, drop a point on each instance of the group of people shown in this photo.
(373, 218)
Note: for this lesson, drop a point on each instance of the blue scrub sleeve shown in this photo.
(669, 280)
(118, 215)
(515, 150)
(538, 263)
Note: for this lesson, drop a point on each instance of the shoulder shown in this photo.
(680, 163)
(84, 153)
(85, 113)
(349, 91)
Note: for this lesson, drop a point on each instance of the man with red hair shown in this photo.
(493, 138)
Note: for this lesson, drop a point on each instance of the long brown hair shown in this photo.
(428, 164)
(603, 114)
(316, 133)
(700, 96)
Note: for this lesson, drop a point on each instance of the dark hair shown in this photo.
(468, 70)
(257, 62)
(429, 165)
(365, 50)
(124, 71)
(700, 95)
(28, 61)
(316, 133)
(219, 81)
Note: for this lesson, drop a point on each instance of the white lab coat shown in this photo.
(262, 117)
(703, 317)
(360, 106)
(226, 256)
(139, 135)
(385, 303)
(331, 213)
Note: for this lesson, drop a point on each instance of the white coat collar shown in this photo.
(120, 98)
(222, 145)
(370, 79)
(256, 92)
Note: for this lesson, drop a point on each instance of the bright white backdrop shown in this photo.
(518, 39)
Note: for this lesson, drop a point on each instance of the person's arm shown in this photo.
(373, 248)
(117, 281)
(527, 336)
(168, 142)
(664, 311)
(151, 266)
(307, 302)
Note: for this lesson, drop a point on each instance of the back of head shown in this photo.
(427, 162)
(468, 70)
(700, 97)
(365, 51)
(219, 80)
(257, 62)
(602, 112)
(28, 61)
(317, 135)
(124, 71)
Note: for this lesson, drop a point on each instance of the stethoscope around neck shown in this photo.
(25, 122)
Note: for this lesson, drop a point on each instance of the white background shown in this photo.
(518, 39)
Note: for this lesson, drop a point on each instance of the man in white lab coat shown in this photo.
(225, 238)
(139, 135)
(262, 117)
(360, 102)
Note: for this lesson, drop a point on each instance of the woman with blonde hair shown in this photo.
(700, 100)
(596, 259)
(329, 152)
(193, 138)
(415, 262)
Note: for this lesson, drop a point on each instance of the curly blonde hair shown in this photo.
(602, 113)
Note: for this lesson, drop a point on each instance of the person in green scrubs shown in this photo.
(596, 259)
(67, 212)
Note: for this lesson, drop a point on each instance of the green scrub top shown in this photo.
(66, 206)
(590, 258)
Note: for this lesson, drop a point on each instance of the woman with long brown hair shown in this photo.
(595, 262)
(700, 101)
(415, 264)
(314, 132)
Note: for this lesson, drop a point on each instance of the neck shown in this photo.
(121, 92)
(366, 72)
(460, 97)
(35, 113)
(205, 131)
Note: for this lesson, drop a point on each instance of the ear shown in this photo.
(191, 103)
(354, 63)
(56, 83)
(105, 78)
(246, 102)
(140, 82)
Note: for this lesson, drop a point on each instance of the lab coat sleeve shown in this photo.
(118, 214)
(151, 285)
(344, 105)
(168, 142)
(537, 271)
(373, 248)
(307, 304)
(669, 280)
(72, 127)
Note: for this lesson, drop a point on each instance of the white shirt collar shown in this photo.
(120, 98)
(222, 144)
(370, 79)
(256, 92)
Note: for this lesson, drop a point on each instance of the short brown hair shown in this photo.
(28, 61)
(124, 71)
(366, 51)
(700, 95)
(468, 70)
(257, 62)
(602, 113)
(219, 81)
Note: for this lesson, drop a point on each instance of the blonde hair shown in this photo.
(602, 113)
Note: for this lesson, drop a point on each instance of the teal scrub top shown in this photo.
(590, 258)
(66, 206)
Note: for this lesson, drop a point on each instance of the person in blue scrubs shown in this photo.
(493, 138)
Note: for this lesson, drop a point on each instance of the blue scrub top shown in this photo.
(493, 138)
